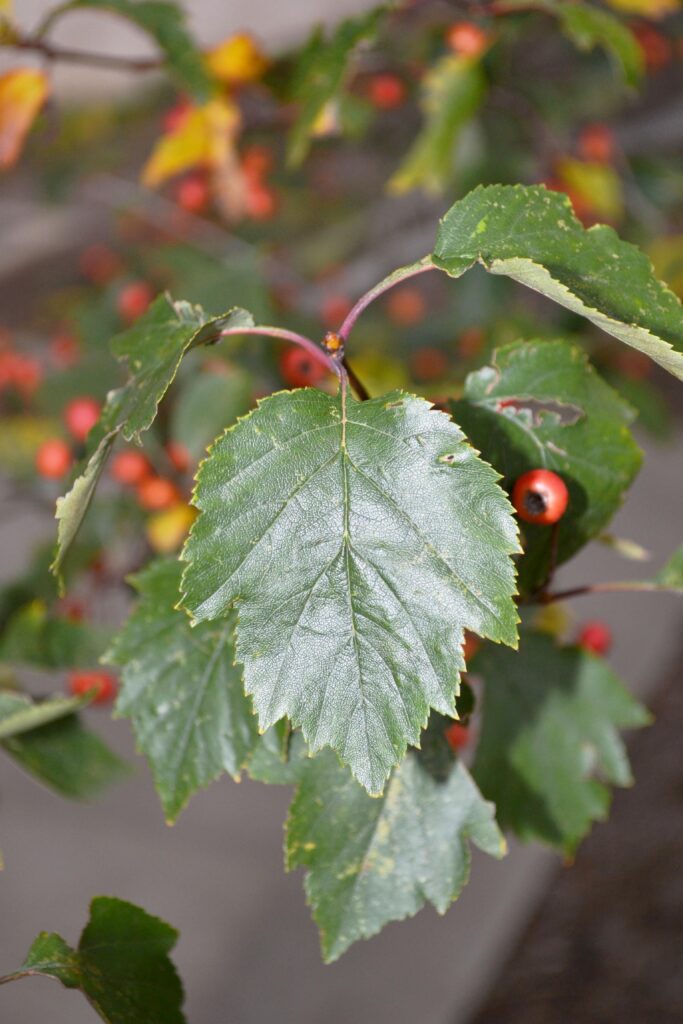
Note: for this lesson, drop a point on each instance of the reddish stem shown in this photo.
(398, 275)
(285, 335)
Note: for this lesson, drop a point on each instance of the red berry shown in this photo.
(634, 364)
(103, 683)
(596, 637)
(386, 92)
(470, 646)
(301, 368)
(656, 48)
(179, 456)
(471, 342)
(53, 458)
(156, 493)
(466, 39)
(406, 306)
(428, 363)
(81, 415)
(457, 736)
(133, 300)
(174, 118)
(99, 264)
(64, 349)
(261, 201)
(540, 496)
(334, 310)
(130, 468)
(257, 161)
(193, 194)
(597, 143)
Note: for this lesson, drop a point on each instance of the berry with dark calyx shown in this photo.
(156, 493)
(301, 369)
(133, 300)
(81, 415)
(53, 458)
(466, 39)
(130, 468)
(386, 91)
(540, 496)
(457, 736)
(103, 683)
(595, 636)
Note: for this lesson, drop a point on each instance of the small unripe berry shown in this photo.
(540, 496)
(466, 39)
(596, 637)
(53, 458)
(81, 415)
(103, 683)
(301, 369)
(457, 736)
(156, 493)
(130, 468)
(133, 300)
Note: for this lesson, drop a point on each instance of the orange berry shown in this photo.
(193, 194)
(540, 496)
(406, 306)
(466, 39)
(81, 415)
(428, 363)
(334, 310)
(656, 48)
(595, 637)
(103, 683)
(157, 492)
(261, 202)
(133, 300)
(386, 92)
(53, 458)
(130, 467)
(471, 342)
(597, 143)
(470, 646)
(179, 456)
(457, 736)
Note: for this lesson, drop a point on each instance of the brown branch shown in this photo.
(103, 60)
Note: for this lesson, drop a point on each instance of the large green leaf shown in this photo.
(320, 74)
(359, 540)
(165, 23)
(549, 740)
(182, 691)
(152, 350)
(541, 405)
(531, 235)
(371, 861)
(453, 91)
(122, 964)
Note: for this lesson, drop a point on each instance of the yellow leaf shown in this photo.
(667, 256)
(646, 8)
(237, 59)
(596, 185)
(167, 530)
(23, 92)
(205, 137)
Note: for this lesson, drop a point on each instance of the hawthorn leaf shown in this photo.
(549, 744)
(320, 74)
(19, 714)
(165, 23)
(372, 861)
(453, 91)
(540, 404)
(122, 964)
(61, 753)
(589, 26)
(532, 235)
(358, 540)
(152, 350)
(181, 690)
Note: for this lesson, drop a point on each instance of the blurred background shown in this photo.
(122, 191)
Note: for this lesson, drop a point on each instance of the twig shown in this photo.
(285, 335)
(103, 60)
(403, 274)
